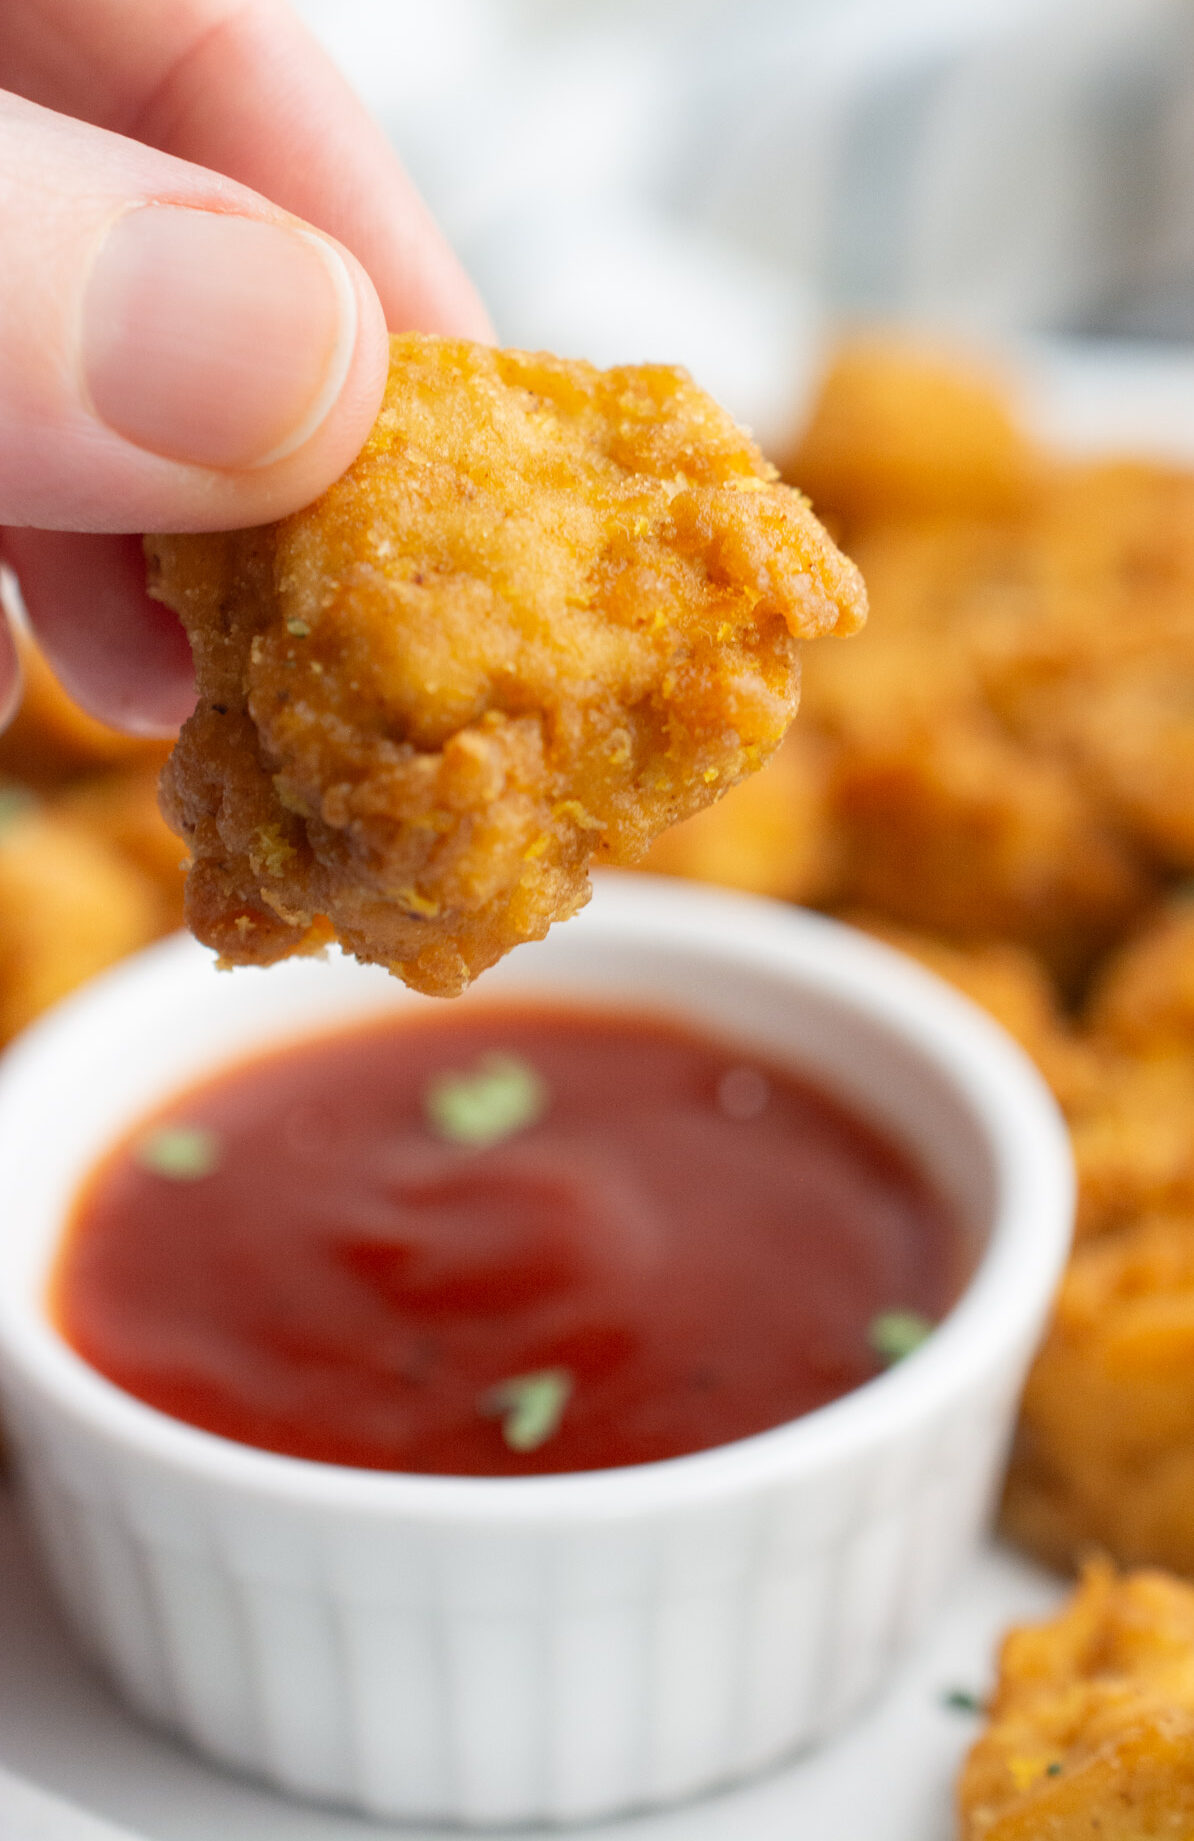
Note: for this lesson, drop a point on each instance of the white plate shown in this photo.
(889, 1777)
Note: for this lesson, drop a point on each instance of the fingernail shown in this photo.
(222, 341)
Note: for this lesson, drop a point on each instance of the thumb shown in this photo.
(175, 352)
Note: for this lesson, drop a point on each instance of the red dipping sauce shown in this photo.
(666, 1244)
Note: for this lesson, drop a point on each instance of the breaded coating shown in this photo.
(947, 818)
(769, 836)
(69, 907)
(1006, 754)
(899, 427)
(956, 830)
(1015, 988)
(1134, 1145)
(1091, 1728)
(121, 810)
(1143, 999)
(547, 612)
(1093, 660)
(1105, 1450)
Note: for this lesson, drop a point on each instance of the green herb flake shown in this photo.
(530, 1406)
(962, 1700)
(299, 628)
(181, 1153)
(893, 1334)
(503, 1096)
(1054, 1769)
(16, 802)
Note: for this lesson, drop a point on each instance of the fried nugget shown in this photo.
(547, 612)
(69, 907)
(1013, 985)
(1143, 999)
(1009, 771)
(121, 810)
(899, 426)
(1092, 659)
(770, 835)
(1134, 1146)
(1092, 1725)
(947, 820)
(956, 831)
(1105, 1450)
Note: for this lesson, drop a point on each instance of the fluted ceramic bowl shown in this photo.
(487, 1651)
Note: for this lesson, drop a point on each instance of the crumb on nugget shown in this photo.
(1091, 1728)
(547, 612)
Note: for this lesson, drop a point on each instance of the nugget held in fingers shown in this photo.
(548, 611)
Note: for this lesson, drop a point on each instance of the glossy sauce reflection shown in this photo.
(678, 1244)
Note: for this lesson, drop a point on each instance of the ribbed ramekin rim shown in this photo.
(983, 1341)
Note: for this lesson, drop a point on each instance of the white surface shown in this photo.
(707, 181)
(547, 1648)
(887, 1778)
(30, 1814)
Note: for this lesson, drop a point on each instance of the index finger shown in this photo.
(241, 87)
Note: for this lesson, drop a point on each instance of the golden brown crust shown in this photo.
(1143, 999)
(1106, 1445)
(901, 427)
(69, 907)
(548, 611)
(1092, 1724)
(121, 810)
(770, 835)
(1015, 988)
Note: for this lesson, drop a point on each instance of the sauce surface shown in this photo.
(516, 1241)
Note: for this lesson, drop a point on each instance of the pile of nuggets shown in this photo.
(998, 777)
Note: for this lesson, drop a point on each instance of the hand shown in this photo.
(203, 238)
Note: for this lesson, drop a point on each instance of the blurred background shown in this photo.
(713, 180)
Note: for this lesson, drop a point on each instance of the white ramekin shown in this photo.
(494, 1651)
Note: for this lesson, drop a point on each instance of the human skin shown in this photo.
(204, 237)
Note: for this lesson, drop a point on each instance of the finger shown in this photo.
(244, 89)
(122, 656)
(10, 667)
(175, 352)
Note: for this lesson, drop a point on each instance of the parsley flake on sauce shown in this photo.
(893, 1334)
(530, 1406)
(181, 1153)
(502, 1096)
